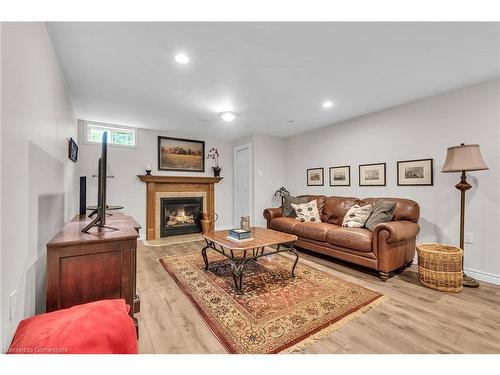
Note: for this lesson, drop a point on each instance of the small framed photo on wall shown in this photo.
(315, 177)
(340, 176)
(415, 172)
(72, 150)
(372, 174)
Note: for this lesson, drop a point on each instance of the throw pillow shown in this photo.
(383, 211)
(288, 210)
(307, 212)
(356, 216)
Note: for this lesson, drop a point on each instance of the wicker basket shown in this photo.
(440, 267)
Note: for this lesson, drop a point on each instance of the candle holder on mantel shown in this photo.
(148, 170)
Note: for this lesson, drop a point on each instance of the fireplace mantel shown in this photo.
(183, 186)
(179, 179)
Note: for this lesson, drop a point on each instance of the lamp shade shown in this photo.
(464, 158)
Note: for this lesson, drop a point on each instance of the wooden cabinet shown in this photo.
(86, 267)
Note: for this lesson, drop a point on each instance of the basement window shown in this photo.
(117, 135)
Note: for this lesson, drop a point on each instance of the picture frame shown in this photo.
(418, 172)
(179, 154)
(372, 174)
(340, 175)
(315, 177)
(72, 150)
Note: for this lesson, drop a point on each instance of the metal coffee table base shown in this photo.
(238, 263)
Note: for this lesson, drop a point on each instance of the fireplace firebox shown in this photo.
(180, 215)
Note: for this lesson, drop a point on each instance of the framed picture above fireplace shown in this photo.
(178, 154)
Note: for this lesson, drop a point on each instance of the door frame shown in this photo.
(250, 182)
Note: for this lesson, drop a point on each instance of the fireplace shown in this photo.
(180, 215)
(158, 187)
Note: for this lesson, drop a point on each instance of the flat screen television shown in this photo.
(100, 212)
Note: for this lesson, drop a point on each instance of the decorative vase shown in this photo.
(207, 220)
(245, 222)
(216, 171)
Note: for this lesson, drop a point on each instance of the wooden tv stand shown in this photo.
(101, 264)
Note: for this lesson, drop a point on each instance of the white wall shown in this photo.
(38, 181)
(126, 163)
(268, 172)
(422, 129)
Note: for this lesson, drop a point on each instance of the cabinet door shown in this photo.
(90, 277)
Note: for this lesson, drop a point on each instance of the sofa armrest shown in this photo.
(401, 230)
(272, 213)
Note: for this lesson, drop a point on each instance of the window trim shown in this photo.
(110, 127)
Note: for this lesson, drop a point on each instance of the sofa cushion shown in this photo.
(307, 212)
(356, 216)
(352, 238)
(314, 231)
(284, 224)
(335, 208)
(288, 210)
(101, 327)
(406, 209)
(320, 200)
(383, 211)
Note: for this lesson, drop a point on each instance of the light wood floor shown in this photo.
(413, 318)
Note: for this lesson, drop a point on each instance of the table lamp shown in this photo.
(464, 158)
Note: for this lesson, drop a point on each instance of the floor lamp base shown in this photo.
(470, 282)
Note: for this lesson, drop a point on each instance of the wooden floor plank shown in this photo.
(412, 318)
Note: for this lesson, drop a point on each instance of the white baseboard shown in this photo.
(479, 275)
(483, 276)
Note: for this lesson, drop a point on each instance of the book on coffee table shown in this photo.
(239, 234)
(239, 241)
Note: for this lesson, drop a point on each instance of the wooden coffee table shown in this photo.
(241, 253)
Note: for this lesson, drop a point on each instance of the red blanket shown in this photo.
(92, 328)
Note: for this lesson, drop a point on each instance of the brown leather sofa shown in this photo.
(389, 247)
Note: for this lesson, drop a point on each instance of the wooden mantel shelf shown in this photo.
(179, 179)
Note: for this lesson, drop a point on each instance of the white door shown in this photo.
(242, 183)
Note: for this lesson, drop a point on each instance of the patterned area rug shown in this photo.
(275, 313)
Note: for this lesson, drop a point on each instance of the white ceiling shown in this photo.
(125, 73)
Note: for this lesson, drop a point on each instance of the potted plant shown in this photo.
(282, 192)
(213, 154)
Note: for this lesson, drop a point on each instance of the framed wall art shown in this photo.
(315, 177)
(340, 176)
(372, 174)
(72, 150)
(178, 154)
(415, 172)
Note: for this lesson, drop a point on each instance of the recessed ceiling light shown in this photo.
(327, 104)
(203, 121)
(227, 116)
(182, 58)
(291, 121)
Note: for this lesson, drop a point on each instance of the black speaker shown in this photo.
(83, 195)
